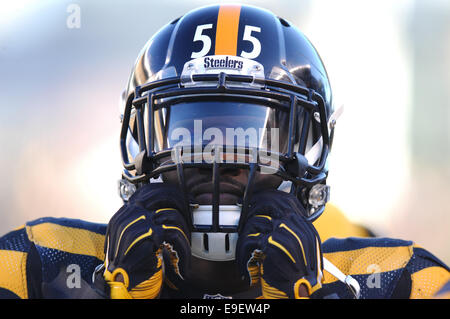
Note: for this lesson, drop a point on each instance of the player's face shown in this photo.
(232, 184)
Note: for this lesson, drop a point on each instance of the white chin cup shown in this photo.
(215, 246)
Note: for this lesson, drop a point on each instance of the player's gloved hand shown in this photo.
(135, 237)
(278, 248)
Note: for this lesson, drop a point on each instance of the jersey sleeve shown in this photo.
(20, 269)
(428, 274)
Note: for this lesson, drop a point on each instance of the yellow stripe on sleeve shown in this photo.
(368, 260)
(68, 239)
(13, 272)
(427, 282)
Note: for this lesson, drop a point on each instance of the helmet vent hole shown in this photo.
(284, 22)
(205, 242)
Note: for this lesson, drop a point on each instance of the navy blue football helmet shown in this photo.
(229, 66)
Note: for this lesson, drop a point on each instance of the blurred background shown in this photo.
(389, 65)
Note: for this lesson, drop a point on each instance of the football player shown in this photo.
(227, 123)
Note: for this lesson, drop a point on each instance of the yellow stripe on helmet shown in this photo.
(227, 29)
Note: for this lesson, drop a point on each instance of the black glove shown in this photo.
(279, 248)
(135, 237)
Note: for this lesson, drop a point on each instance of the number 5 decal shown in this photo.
(256, 44)
(198, 36)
